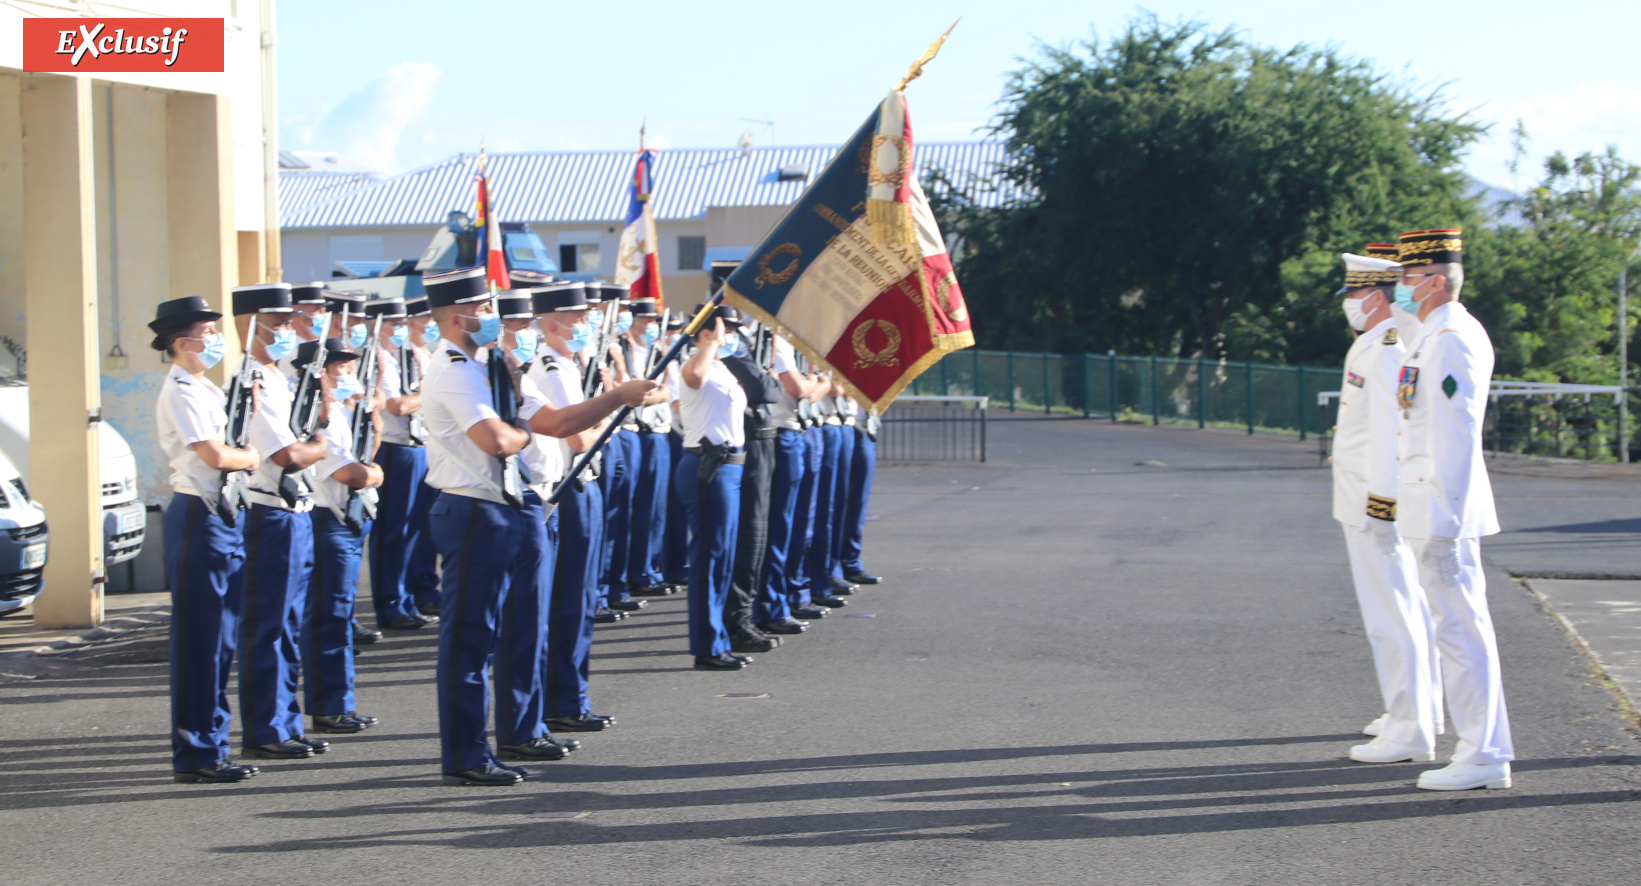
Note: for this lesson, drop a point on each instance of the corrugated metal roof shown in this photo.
(591, 186)
(297, 189)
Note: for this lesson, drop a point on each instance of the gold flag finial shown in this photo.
(916, 70)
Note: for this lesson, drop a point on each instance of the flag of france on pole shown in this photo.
(637, 265)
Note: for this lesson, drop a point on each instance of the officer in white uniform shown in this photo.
(1394, 611)
(1445, 502)
(204, 555)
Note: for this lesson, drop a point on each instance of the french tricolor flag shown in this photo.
(856, 275)
(637, 265)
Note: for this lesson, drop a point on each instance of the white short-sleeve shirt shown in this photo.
(544, 457)
(395, 428)
(785, 413)
(190, 410)
(271, 426)
(338, 455)
(455, 397)
(714, 411)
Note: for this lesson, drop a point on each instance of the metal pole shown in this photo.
(1624, 358)
(1302, 401)
(1156, 393)
(1202, 395)
(1048, 389)
(1088, 384)
(1111, 366)
(1250, 368)
(1010, 356)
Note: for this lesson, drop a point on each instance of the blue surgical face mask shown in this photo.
(732, 343)
(320, 323)
(215, 347)
(596, 316)
(431, 334)
(348, 386)
(489, 328)
(356, 337)
(400, 336)
(524, 345)
(1404, 298)
(623, 322)
(582, 340)
(652, 334)
(283, 344)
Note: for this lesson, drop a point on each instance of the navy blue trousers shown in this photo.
(803, 518)
(621, 456)
(278, 562)
(327, 623)
(205, 567)
(494, 587)
(675, 551)
(821, 546)
(714, 509)
(790, 452)
(398, 533)
(840, 500)
(860, 497)
(574, 601)
(651, 482)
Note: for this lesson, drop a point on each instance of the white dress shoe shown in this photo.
(1466, 776)
(1383, 750)
(1377, 726)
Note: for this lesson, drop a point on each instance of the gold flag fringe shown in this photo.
(891, 222)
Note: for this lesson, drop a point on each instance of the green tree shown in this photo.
(1188, 194)
(1546, 288)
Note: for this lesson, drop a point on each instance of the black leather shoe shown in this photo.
(661, 589)
(488, 774)
(842, 588)
(431, 609)
(582, 723)
(833, 602)
(363, 636)
(347, 723)
(411, 622)
(864, 578)
(679, 587)
(784, 626)
(809, 611)
(745, 659)
(523, 773)
(725, 662)
(628, 605)
(290, 749)
(223, 772)
(608, 616)
(319, 745)
(534, 749)
(568, 744)
(750, 643)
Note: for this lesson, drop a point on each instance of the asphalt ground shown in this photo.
(1114, 654)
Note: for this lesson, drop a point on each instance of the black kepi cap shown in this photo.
(417, 307)
(608, 291)
(335, 352)
(560, 295)
(515, 304)
(644, 307)
(524, 279)
(460, 287)
(338, 301)
(729, 315)
(307, 293)
(182, 312)
(389, 307)
(262, 298)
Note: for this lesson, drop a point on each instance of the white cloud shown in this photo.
(369, 123)
(1588, 119)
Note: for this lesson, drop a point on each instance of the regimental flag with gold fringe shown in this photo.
(857, 274)
(490, 240)
(637, 265)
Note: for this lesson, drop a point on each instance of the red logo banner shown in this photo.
(122, 45)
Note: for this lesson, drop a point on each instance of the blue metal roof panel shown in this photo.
(591, 186)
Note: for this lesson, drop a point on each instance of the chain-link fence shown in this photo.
(1254, 396)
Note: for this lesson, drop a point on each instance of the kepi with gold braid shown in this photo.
(1362, 272)
(1434, 247)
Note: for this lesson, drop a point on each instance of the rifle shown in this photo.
(677, 348)
(309, 407)
(592, 384)
(410, 382)
(361, 503)
(504, 398)
(232, 496)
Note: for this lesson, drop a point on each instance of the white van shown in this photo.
(125, 520)
(23, 541)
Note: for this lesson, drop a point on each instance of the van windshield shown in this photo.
(526, 252)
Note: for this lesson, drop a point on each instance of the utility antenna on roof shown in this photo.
(768, 125)
(745, 144)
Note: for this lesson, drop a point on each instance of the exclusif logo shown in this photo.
(122, 45)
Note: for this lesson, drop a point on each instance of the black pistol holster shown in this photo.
(715, 456)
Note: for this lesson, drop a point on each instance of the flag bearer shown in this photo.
(714, 456)
(1394, 611)
(278, 536)
(327, 647)
(204, 556)
(1445, 501)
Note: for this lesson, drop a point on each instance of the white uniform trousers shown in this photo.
(1450, 570)
(1401, 631)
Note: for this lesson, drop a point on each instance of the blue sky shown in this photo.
(406, 83)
